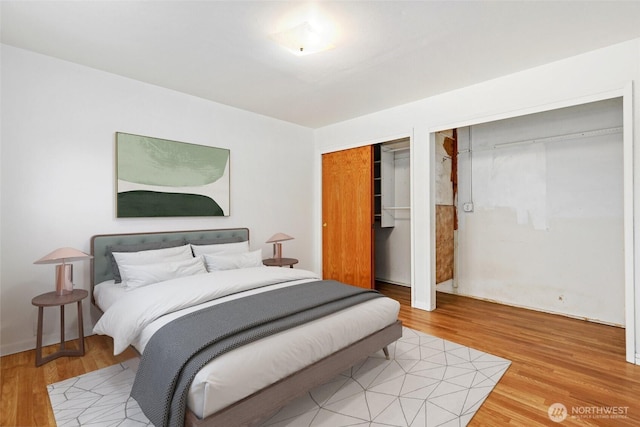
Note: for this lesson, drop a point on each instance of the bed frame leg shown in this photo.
(385, 350)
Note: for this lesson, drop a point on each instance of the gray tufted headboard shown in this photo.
(100, 244)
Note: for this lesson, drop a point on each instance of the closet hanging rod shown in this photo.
(557, 138)
(396, 207)
(393, 150)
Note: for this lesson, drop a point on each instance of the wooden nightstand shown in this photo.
(280, 262)
(51, 299)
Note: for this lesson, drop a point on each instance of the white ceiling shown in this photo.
(387, 52)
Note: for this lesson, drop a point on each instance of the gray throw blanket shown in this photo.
(178, 350)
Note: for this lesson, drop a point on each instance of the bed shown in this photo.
(246, 385)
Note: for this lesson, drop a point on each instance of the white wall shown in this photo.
(595, 75)
(58, 187)
(546, 231)
(58, 122)
(393, 244)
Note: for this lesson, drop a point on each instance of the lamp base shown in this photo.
(64, 279)
(277, 249)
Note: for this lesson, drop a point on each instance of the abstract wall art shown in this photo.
(162, 178)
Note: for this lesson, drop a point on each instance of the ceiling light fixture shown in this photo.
(304, 39)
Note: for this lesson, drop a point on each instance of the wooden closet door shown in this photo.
(347, 216)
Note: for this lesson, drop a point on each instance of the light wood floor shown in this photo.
(554, 360)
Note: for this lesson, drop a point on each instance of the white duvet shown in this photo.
(125, 319)
(132, 317)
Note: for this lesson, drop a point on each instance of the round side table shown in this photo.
(279, 262)
(51, 299)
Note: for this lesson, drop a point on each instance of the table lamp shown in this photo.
(64, 271)
(277, 246)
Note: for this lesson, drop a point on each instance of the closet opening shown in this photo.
(530, 211)
(392, 212)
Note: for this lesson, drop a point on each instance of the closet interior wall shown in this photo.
(392, 247)
(540, 212)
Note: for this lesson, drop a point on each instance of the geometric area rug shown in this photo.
(428, 382)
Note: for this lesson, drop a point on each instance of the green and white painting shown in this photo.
(162, 178)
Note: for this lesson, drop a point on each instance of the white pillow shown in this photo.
(233, 261)
(222, 248)
(153, 256)
(135, 276)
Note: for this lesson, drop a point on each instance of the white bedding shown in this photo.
(131, 318)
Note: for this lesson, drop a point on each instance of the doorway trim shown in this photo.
(626, 93)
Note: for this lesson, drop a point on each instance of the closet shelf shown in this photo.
(556, 138)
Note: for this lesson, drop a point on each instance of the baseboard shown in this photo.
(417, 304)
(47, 340)
(446, 286)
(392, 282)
(454, 291)
(18, 347)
